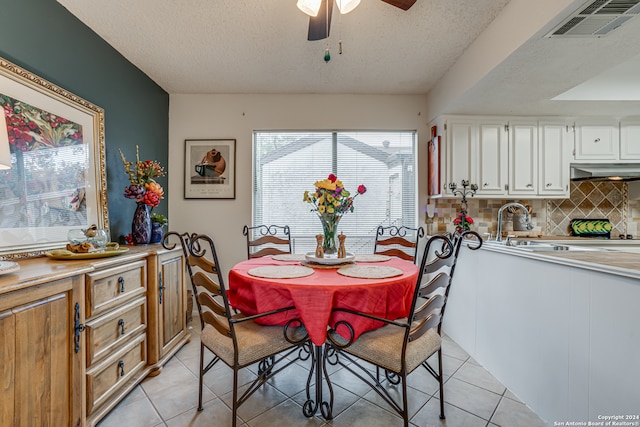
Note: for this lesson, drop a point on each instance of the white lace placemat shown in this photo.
(288, 257)
(281, 271)
(370, 271)
(372, 258)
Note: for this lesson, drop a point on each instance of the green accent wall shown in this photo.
(47, 40)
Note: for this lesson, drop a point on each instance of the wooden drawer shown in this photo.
(107, 333)
(107, 377)
(109, 288)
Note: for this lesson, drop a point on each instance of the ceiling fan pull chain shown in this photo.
(327, 54)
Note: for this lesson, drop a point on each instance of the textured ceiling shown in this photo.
(260, 46)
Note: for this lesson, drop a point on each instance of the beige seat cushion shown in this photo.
(255, 342)
(383, 347)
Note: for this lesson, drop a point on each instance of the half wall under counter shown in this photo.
(561, 330)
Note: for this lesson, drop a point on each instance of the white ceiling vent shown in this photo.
(597, 18)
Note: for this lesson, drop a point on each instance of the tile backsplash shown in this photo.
(588, 199)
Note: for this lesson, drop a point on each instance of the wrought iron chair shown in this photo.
(402, 345)
(401, 242)
(234, 339)
(267, 240)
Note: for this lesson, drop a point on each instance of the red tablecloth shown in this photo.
(316, 295)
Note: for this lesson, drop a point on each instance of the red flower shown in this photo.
(362, 189)
(332, 177)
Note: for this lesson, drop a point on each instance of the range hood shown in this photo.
(605, 172)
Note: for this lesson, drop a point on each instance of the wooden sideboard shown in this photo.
(76, 336)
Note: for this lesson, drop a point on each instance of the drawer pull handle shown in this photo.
(529, 185)
(121, 324)
(549, 184)
(121, 284)
(121, 366)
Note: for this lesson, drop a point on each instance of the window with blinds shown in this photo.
(286, 164)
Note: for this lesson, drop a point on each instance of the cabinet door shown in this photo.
(42, 371)
(172, 300)
(523, 158)
(492, 161)
(597, 142)
(555, 143)
(7, 367)
(460, 153)
(630, 140)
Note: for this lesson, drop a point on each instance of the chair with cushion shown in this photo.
(402, 345)
(267, 240)
(234, 339)
(401, 242)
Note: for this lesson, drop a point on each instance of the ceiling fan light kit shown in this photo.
(347, 6)
(310, 7)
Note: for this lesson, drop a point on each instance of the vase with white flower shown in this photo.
(330, 201)
(145, 191)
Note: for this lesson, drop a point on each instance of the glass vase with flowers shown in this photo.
(145, 191)
(330, 201)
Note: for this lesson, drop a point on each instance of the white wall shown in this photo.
(237, 116)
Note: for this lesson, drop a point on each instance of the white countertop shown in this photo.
(619, 257)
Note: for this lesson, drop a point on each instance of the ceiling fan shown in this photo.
(320, 13)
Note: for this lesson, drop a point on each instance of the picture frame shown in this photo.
(210, 169)
(57, 181)
(433, 160)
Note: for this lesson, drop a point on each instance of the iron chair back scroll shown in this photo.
(401, 242)
(267, 240)
(402, 345)
(233, 338)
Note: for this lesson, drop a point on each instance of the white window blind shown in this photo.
(286, 164)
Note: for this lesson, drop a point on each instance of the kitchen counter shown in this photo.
(619, 257)
(558, 328)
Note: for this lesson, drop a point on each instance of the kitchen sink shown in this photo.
(535, 246)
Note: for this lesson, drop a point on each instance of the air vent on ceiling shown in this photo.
(597, 18)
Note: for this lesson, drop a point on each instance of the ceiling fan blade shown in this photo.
(318, 25)
(402, 4)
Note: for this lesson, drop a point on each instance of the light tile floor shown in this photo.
(472, 398)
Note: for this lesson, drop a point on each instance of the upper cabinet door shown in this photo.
(523, 158)
(554, 152)
(630, 140)
(461, 136)
(492, 161)
(597, 141)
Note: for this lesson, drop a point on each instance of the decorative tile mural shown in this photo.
(593, 200)
(551, 217)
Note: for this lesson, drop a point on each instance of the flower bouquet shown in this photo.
(146, 192)
(331, 200)
(463, 222)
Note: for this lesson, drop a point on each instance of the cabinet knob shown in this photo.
(121, 367)
(121, 324)
(549, 184)
(596, 140)
(486, 184)
(529, 185)
(121, 284)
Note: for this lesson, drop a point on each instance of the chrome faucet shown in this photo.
(527, 217)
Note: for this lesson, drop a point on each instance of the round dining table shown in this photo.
(316, 293)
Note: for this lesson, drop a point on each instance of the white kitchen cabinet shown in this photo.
(523, 158)
(597, 141)
(460, 152)
(492, 159)
(507, 157)
(630, 140)
(554, 143)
